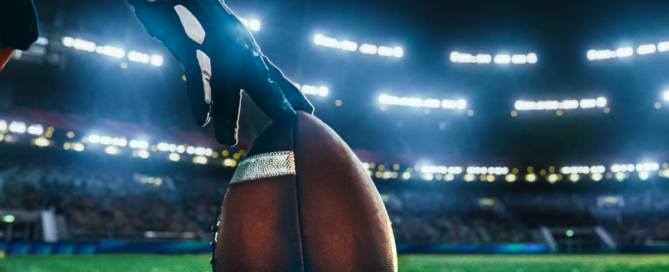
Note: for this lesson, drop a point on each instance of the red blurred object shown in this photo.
(5, 54)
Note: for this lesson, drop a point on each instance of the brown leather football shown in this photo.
(301, 201)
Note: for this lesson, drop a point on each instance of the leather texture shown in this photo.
(327, 217)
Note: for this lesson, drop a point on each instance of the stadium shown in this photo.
(501, 135)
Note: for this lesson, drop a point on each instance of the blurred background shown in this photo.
(488, 126)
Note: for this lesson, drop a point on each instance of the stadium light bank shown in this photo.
(523, 105)
(422, 103)
(458, 57)
(623, 52)
(370, 49)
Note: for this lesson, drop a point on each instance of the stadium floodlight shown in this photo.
(398, 52)
(143, 154)
(434, 169)
(94, 139)
(18, 127)
(624, 52)
(385, 51)
(643, 175)
(368, 49)
(35, 129)
(646, 49)
(502, 59)
(532, 58)
(156, 60)
(174, 157)
(181, 149)
(252, 24)
(42, 142)
(200, 160)
(79, 44)
(349, 46)
(519, 59)
(406, 175)
(106, 140)
(323, 91)
(111, 150)
(596, 176)
(138, 57)
(421, 103)
(110, 51)
(78, 147)
(483, 58)
(666, 96)
(557, 105)
(663, 46)
(510, 178)
(575, 170)
(139, 144)
(531, 177)
(3, 125)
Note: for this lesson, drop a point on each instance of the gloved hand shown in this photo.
(220, 58)
(18, 27)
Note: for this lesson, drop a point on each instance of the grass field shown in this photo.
(450, 263)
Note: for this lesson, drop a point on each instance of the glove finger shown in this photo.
(173, 25)
(226, 95)
(294, 96)
(264, 92)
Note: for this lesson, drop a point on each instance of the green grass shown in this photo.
(450, 263)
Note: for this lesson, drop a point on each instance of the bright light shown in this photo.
(424, 103)
(190, 150)
(502, 59)
(157, 60)
(574, 177)
(68, 41)
(398, 52)
(323, 91)
(143, 154)
(531, 177)
(406, 175)
(557, 105)
(597, 176)
(314, 90)
(368, 49)
(8, 218)
(643, 175)
(349, 46)
(111, 150)
(469, 177)
(625, 52)
(575, 170)
(94, 139)
(110, 51)
(487, 170)
(35, 129)
(41, 142)
(78, 147)
(181, 149)
(79, 44)
(428, 176)
(385, 51)
(552, 178)
(519, 59)
(440, 169)
(200, 160)
(532, 58)
(663, 46)
(139, 144)
(620, 176)
(666, 96)
(174, 157)
(3, 125)
(510, 177)
(17, 127)
(254, 25)
(139, 57)
(646, 49)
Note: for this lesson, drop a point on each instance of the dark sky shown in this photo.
(559, 32)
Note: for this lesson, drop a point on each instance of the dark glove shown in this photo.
(220, 58)
(18, 27)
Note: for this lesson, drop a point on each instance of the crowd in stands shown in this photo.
(109, 204)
